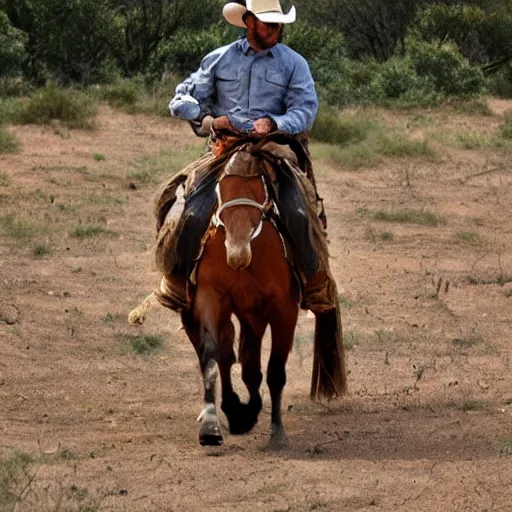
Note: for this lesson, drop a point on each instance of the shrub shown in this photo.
(501, 82)
(11, 110)
(13, 52)
(14, 86)
(8, 142)
(183, 52)
(506, 127)
(460, 24)
(74, 109)
(333, 128)
(320, 46)
(145, 343)
(122, 93)
(445, 68)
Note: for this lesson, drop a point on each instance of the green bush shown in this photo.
(445, 68)
(11, 110)
(183, 52)
(122, 93)
(320, 46)
(14, 87)
(461, 24)
(333, 128)
(13, 53)
(501, 82)
(506, 127)
(73, 108)
(397, 77)
(73, 40)
(8, 142)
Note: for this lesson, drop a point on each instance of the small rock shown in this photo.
(483, 384)
(9, 314)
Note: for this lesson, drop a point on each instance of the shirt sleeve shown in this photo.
(201, 86)
(301, 101)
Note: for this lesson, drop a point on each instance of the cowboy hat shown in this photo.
(268, 11)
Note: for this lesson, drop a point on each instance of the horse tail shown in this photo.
(329, 378)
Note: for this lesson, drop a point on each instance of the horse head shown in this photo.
(242, 201)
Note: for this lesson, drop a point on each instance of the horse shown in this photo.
(243, 271)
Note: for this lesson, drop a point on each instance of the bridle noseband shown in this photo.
(242, 201)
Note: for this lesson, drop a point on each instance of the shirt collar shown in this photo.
(244, 45)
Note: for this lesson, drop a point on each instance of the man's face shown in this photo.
(264, 35)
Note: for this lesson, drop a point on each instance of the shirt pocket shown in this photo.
(227, 84)
(276, 78)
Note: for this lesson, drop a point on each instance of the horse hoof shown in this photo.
(278, 440)
(210, 435)
(241, 417)
(274, 445)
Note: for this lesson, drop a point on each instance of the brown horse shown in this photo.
(244, 271)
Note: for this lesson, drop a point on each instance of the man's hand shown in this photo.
(263, 126)
(222, 123)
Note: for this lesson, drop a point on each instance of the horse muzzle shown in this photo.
(238, 255)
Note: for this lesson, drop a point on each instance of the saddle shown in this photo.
(285, 165)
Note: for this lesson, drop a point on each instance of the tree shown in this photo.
(13, 52)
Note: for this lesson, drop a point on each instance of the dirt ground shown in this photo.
(427, 314)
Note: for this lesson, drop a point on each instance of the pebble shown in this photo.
(9, 314)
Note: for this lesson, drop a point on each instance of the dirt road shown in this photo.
(427, 313)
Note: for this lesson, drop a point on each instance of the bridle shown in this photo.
(242, 201)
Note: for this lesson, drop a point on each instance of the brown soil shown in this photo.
(427, 313)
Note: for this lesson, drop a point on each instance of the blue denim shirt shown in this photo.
(245, 85)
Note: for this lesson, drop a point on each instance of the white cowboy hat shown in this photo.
(268, 11)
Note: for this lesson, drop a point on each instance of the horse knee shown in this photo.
(252, 377)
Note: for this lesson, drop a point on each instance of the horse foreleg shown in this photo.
(210, 432)
(205, 347)
(243, 417)
(283, 330)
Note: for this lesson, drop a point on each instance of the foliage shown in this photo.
(501, 82)
(73, 108)
(483, 37)
(320, 46)
(8, 142)
(145, 343)
(14, 471)
(359, 51)
(422, 217)
(371, 28)
(361, 141)
(13, 52)
(183, 52)
(11, 110)
(330, 127)
(12, 86)
(148, 25)
(506, 127)
(458, 23)
(88, 231)
(445, 68)
(122, 93)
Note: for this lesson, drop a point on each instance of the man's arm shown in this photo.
(301, 101)
(193, 98)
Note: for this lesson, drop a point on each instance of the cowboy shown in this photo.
(255, 85)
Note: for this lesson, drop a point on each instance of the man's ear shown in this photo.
(249, 19)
